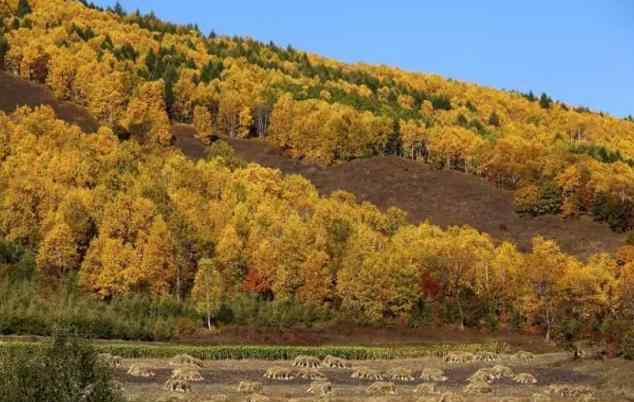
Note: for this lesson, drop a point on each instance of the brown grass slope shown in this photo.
(15, 92)
(443, 197)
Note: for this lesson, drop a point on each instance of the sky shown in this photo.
(580, 52)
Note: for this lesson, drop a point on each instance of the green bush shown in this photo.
(63, 371)
(245, 309)
(627, 345)
(538, 200)
(629, 240)
(25, 309)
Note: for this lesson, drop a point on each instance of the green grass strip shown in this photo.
(162, 351)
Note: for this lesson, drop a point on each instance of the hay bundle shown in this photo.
(141, 370)
(525, 378)
(250, 387)
(321, 388)
(280, 373)
(365, 373)
(306, 362)
(381, 388)
(335, 362)
(176, 385)
(433, 374)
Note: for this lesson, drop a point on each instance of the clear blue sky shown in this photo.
(580, 52)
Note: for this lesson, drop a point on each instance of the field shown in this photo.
(221, 379)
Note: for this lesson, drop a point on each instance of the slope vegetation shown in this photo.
(444, 197)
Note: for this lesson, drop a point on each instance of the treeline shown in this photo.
(136, 241)
(136, 73)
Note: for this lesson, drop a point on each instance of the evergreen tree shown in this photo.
(24, 8)
(4, 48)
(494, 119)
(118, 9)
(545, 101)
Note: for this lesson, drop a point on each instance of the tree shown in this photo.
(545, 101)
(146, 114)
(546, 268)
(159, 265)
(494, 119)
(208, 289)
(4, 49)
(118, 9)
(203, 124)
(61, 75)
(58, 254)
(24, 9)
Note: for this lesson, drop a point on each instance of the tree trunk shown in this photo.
(459, 304)
(178, 284)
(209, 320)
(547, 337)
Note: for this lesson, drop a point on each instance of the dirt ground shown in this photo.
(15, 92)
(221, 379)
(444, 197)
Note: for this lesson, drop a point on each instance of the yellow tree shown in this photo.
(146, 115)
(158, 264)
(592, 287)
(413, 138)
(457, 261)
(208, 289)
(107, 96)
(317, 280)
(184, 90)
(544, 275)
(58, 254)
(61, 75)
(374, 281)
(203, 124)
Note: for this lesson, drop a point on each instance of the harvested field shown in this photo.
(223, 377)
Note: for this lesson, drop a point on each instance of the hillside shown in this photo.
(138, 241)
(16, 92)
(136, 73)
(443, 197)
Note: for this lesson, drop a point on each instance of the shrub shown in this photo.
(63, 371)
(542, 200)
(627, 345)
(525, 199)
(616, 213)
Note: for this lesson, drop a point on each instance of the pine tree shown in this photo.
(4, 48)
(545, 101)
(24, 8)
(494, 119)
(118, 9)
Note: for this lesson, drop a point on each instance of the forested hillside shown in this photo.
(136, 73)
(119, 217)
